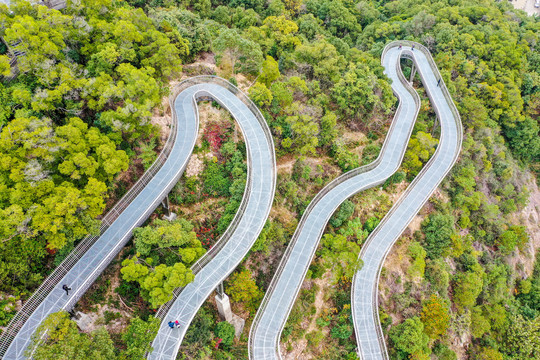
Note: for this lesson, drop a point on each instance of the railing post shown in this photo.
(220, 290)
(413, 72)
(167, 206)
(435, 125)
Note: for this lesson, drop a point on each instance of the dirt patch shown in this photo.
(282, 214)
(396, 265)
(199, 212)
(530, 218)
(161, 117)
(300, 346)
(205, 64)
(195, 166)
(320, 298)
(285, 164)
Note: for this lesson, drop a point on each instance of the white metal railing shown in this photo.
(318, 197)
(52, 280)
(61, 270)
(457, 118)
(206, 258)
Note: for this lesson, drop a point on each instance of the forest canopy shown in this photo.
(78, 114)
(88, 82)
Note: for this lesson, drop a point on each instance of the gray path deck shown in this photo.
(260, 197)
(272, 315)
(364, 303)
(277, 304)
(84, 272)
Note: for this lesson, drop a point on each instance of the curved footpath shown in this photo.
(365, 310)
(90, 258)
(261, 195)
(279, 299)
(277, 304)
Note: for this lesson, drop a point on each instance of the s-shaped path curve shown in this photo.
(277, 304)
(92, 256)
(364, 302)
(283, 290)
(255, 211)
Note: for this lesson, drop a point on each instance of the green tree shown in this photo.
(344, 212)
(138, 338)
(322, 57)
(242, 54)
(437, 275)
(522, 338)
(329, 131)
(157, 283)
(225, 332)
(5, 67)
(409, 337)
(260, 95)
(488, 354)
(479, 324)
(216, 181)
(242, 288)
(281, 33)
(341, 255)
(467, 287)
(360, 92)
(418, 256)
(420, 149)
(63, 341)
(166, 234)
(304, 129)
(269, 72)
(514, 237)
(438, 230)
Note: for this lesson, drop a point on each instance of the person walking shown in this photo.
(399, 48)
(171, 324)
(177, 324)
(66, 288)
(439, 82)
(412, 48)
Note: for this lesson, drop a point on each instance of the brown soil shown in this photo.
(161, 118)
(530, 218)
(199, 212)
(300, 348)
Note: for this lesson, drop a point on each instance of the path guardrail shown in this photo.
(455, 113)
(318, 197)
(65, 266)
(206, 258)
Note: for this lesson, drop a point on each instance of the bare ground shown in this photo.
(530, 218)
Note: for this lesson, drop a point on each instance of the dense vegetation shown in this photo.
(82, 103)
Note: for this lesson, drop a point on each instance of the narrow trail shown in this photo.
(283, 290)
(84, 265)
(364, 302)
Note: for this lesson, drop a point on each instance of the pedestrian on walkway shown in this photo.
(412, 48)
(439, 82)
(399, 47)
(171, 324)
(66, 288)
(177, 324)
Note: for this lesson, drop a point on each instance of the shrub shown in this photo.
(438, 229)
(225, 332)
(344, 212)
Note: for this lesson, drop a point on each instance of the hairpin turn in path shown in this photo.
(283, 290)
(82, 267)
(93, 254)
